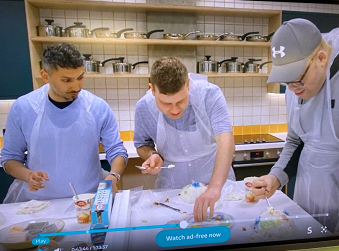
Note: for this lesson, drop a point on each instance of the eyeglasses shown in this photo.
(299, 83)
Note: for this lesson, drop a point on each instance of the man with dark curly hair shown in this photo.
(53, 133)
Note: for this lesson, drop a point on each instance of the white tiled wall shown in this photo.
(247, 98)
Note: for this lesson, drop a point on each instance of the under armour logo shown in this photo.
(281, 52)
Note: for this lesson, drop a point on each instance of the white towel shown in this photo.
(32, 206)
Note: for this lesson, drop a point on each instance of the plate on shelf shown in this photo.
(16, 236)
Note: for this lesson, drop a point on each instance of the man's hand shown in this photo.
(35, 179)
(269, 182)
(114, 183)
(153, 164)
(205, 201)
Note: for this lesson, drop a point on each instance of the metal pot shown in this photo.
(91, 66)
(79, 30)
(178, 36)
(250, 66)
(233, 66)
(49, 29)
(208, 66)
(259, 38)
(207, 37)
(109, 34)
(140, 35)
(229, 36)
(121, 67)
(267, 62)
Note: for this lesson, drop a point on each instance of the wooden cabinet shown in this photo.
(36, 43)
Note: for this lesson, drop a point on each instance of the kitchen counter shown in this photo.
(135, 208)
(64, 210)
(145, 213)
(132, 152)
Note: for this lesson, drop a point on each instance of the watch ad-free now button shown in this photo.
(192, 236)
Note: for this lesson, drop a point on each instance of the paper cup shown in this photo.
(83, 207)
(249, 196)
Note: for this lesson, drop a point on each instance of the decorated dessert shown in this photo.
(273, 224)
(190, 192)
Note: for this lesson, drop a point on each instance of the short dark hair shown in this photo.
(169, 75)
(64, 55)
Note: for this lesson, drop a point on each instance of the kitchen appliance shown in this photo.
(257, 155)
(121, 66)
(208, 66)
(80, 30)
(178, 36)
(140, 35)
(49, 29)
(230, 36)
(259, 38)
(233, 66)
(91, 66)
(210, 37)
(251, 67)
(110, 34)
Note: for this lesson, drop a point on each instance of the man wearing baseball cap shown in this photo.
(305, 61)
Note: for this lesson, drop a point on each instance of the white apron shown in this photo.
(317, 182)
(67, 150)
(192, 152)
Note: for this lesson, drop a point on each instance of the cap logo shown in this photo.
(281, 52)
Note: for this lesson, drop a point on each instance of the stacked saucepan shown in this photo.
(93, 66)
(80, 30)
(209, 66)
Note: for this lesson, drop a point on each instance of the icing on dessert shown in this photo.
(273, 224)
(190, 192)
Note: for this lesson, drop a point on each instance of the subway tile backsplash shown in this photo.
(247, 99)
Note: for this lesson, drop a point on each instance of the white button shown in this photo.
(180, 136)
(185, 151)
(189, 164)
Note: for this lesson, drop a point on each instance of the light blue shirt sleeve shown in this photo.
(109, 133)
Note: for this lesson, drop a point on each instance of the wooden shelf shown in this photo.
(102, 75)
(36, 43)
(141, 7)
(214, 75)
(112, 41)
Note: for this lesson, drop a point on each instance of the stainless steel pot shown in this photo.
(141, 35)
(109, 34)
(229, 36)
(267, 62)
(178, 36)
(121, 67)
(208, 66)
(233, 66)
(91, 66)
(207, 37)
(259, 38)
(79, 30)
(251, 67)
(49, 29)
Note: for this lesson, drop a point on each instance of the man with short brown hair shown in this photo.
(183, 120)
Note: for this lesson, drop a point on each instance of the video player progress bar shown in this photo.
(107, 230)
